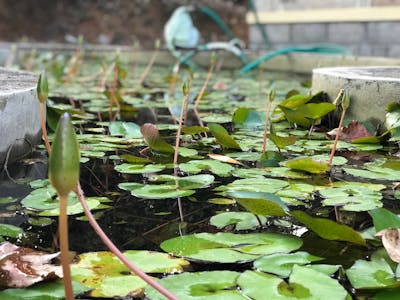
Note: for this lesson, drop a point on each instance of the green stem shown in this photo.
(337, 138)
(63, 230)
(43, 124)
(264, 149)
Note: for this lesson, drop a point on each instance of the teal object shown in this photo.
(316, 48)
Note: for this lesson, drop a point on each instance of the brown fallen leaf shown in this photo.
(391, 242)
(351, 132)
(22, 267)
(224, 158)
(220, 85)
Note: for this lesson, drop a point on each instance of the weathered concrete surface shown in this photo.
(19, 114)
(371, 89)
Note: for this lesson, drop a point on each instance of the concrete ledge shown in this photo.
(19, 114)
(370, 88)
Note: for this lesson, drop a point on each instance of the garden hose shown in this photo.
(317, 48)
(260, 27)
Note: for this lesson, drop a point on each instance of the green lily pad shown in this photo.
(217, 167)
(108, 277)
(42, 291)
(375, 273)
(216, 285)
(260, 203)
(247, 117)
(282, 141)
(352, 198)
(304, 283)
(128, 130)
(229, 247)
(282, 263)
(306, 164)
(155, 191)
(187, 182)
(255, 184)
(222, 136)
(241, 220)
(192, 130)
(8, 230)
(154, 140)
(384, 218)
(139, 168)
(328, 229)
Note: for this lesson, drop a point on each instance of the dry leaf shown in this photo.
(220, 85)
(22, 267)
(351, 132)
(224, 158)
(391, 242)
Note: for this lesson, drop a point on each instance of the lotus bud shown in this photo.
(42, 87)
(346, 100)
(64, 157)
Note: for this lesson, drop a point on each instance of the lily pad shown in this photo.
(154, 140)
(328, 229)
(155, 191)
(128, 130)
(282, 263)
(229, 247)
(196, 166)
(216, 285)
(304, 283)
(109, 277)
(8, 230)
(306, 164)
(222, 136)
(139, 168)
(384, 219)
(241, 220)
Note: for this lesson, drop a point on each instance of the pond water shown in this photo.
(133, 193)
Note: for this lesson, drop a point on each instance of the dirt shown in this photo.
(110, 22)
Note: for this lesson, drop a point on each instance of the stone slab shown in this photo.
(19, 114)
(370, 88)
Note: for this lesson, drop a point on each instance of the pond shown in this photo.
(242, 217)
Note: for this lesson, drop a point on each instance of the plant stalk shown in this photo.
(148, 67)
(63, 231)
(269, 104)
(337, 138)
(43, 124)
(117, 252)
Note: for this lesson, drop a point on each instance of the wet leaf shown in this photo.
(8, 230)
(197, 166)
(384, 219)
(307, 165)
(222, 136)
(241, 220)
(154, 140)
(216, 285)
(156, 191)
(127, 130)
(228, 247)
(390, 240)
(281, 264)
(193, 130)
(260, 203)
(42, 291)
(353, 131)
(304, 283)
(109, 277)
(139, 168)
(187, 182)
(328, 229)
(376, 273)
(224, 158)
(282, 141)
(23, 267)
(247, 117)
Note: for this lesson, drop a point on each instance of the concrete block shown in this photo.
(394, 51)
(19, 114)
(347, 33)
(370, 88)
(309, 33)
(383, 32)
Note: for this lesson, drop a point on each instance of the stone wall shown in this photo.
(367, 38)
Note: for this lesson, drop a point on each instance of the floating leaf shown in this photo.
(307, 165)
(200, 285)
(192, 130)
(391, 242)
(282, 263)
(187, 182)
(248, 117)
(260, 203)
(328, 229)
(376, 273)
(241, 220)
(224, 158)
(304, 283)
(384, 219)
(197, 166)
(154, 140)
(139, 168)
(228, 247)
(282, 141)
(42, 291)
(293, 117)
(128, 130)
(159, 191)
(8, 230)
(109, 277)
(222, 136)
(352, 198)
(254, 184)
